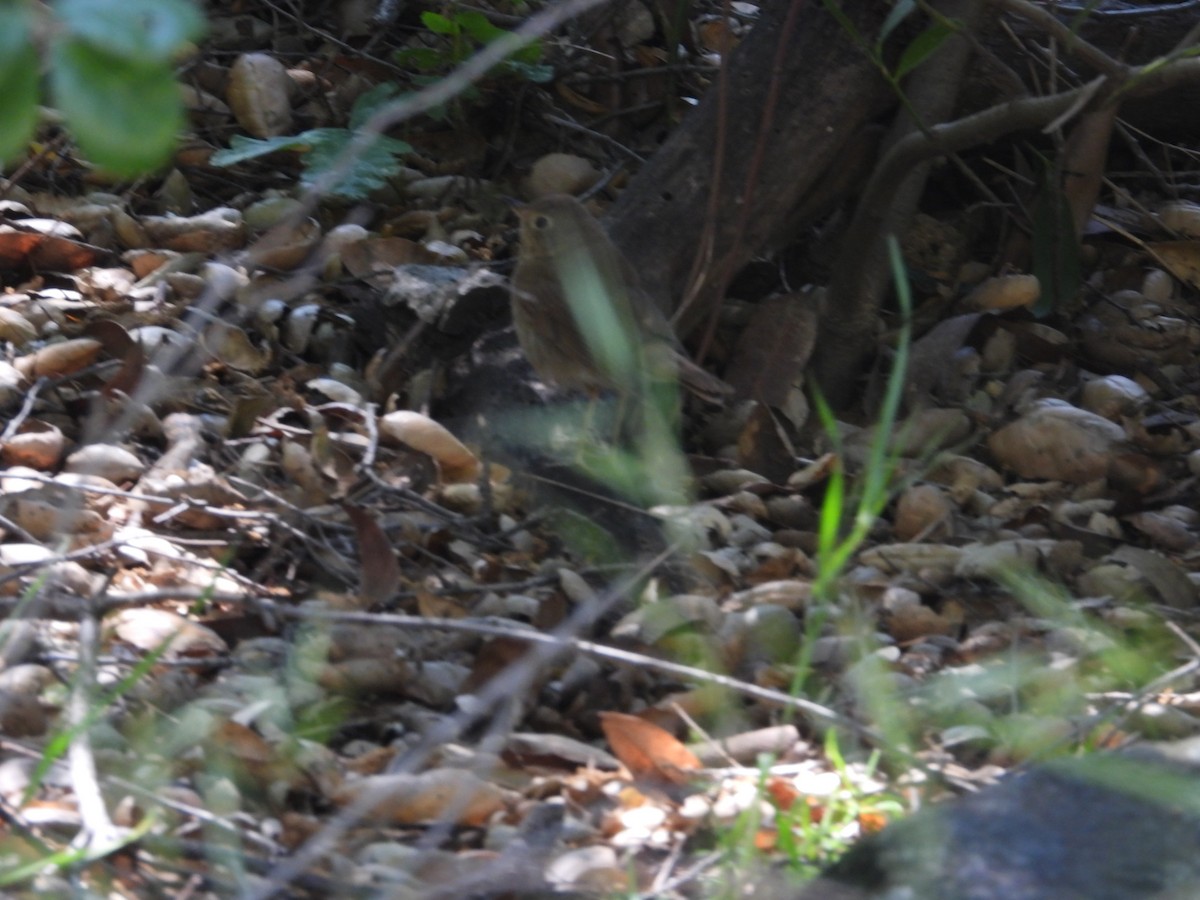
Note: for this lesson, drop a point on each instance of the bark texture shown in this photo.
(825, 91)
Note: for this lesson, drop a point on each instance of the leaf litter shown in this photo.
(347, 638)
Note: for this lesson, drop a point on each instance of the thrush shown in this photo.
(582, 317)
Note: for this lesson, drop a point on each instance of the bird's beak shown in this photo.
(515, 205)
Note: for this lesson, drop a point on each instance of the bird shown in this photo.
(581, 315)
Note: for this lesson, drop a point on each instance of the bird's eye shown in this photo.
(541, 222)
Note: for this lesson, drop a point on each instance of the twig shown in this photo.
(1071, 41)
(26, 408)
(97, 834)
(563, 641)
(596, 135)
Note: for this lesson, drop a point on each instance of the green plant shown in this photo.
(373, 164)
(916, 52)
(110, 75)
(837, 540)
(813, 841)
(458, 35)
(810, 837)
(809, 833)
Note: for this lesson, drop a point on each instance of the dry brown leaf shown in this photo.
(455, 796)
(455, 462)
(373, 762)
(715, 35)
(1168, 578)
(47, 520)
(116, 464)
(1085, 159)
(647, 750)
(1113, 396)
(20, 248)
(1166, 532)
(1037, 341)
(815, 472)
(378, 256)
(1181, 217)
(1136, 473)
(555, 751)
(494, 657)
(36, 444)
(244, 745)
(1004, 292)
(435, 606)
(15, 328)
(910, 622)
(149, 629)
(286, 245)
(377, 558)
(232, 346)
(57, 360)
(894, 558)
(389, 677)
(577, 100)
(213, 231)
(1180, 258)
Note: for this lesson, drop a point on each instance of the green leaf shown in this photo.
(900, 11)
(125, 115)
(1055, 249)
(480, 29)
(426, 59)
(922, 47)
(372, 169)
(371, 102)
(18, 81)
(530, 54)
(439, 24)
(477, 26)
(242, 148)
(323, 148)
(538, 74)
(143, 30)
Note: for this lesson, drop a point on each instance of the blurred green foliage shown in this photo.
(109, 72)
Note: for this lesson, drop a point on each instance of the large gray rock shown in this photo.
(1105, 827)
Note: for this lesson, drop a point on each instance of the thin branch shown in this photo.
(1044, 20)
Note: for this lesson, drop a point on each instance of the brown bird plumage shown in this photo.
(580, 312)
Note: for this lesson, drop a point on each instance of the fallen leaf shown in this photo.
(647, 750)
(439, 795)
(377, 558)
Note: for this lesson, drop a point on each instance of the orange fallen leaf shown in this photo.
(871, 822)
(766, 840)
(783, 792)
(439, 795)
(647, 750)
